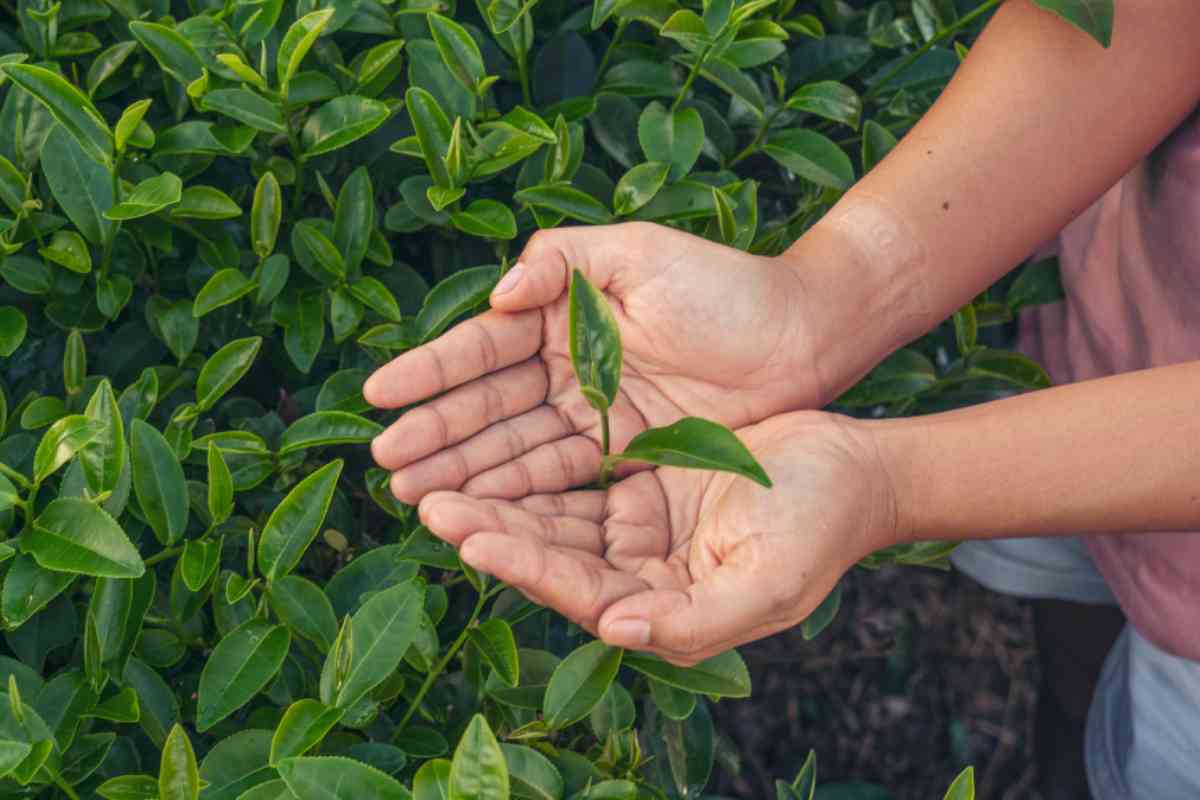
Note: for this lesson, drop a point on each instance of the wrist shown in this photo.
(861, 274)
(900, 446)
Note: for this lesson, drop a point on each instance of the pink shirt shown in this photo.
(1131, 270)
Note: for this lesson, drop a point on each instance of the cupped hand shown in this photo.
(708, 331)
(688, 564)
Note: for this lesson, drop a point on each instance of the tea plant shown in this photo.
(219, 216)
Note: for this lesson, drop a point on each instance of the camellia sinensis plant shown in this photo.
(217, 217)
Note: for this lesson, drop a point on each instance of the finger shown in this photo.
(460, 413)
(455, 517)
(480, 345)
(495, 445)
(589, 505)
(555, 467)
(543, 271)
(575, 585)
(694, 622)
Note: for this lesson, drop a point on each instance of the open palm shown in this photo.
(707, 330)
(682, 563)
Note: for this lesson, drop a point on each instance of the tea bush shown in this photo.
(219, 217)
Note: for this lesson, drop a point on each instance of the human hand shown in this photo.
(708, 331)
(688, 564)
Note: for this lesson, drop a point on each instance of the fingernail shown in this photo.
(629, 632)
(510, 280)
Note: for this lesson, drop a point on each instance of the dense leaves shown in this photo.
(216, 219)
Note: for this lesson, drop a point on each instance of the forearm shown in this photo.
(1114, 455)
(1038, 122)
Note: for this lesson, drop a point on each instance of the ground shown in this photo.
(922, 673)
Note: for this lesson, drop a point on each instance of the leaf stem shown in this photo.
(163, 555)
(9, 472)
(523, 74)
(298, 188)
(752, 148)
(941, 35)
(442, 663)
(691, 78)
(608, 52)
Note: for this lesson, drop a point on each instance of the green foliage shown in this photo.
(217, 218)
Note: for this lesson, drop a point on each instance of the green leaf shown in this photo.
(531, 774)
(811, 156)
(129, 124)
(224, 287)
(68, 249)
(302, 728)
(1037, 283)
(73, 535)
(724, 675)
(804, 785)
(495, 642)
(241, 665)
(452, 298)
(61, 442)
(178, 327)
(296, 521)
(178, 775)
(12, 329)
(1009, 368)
(334, 778)
(830, 100)
(900, 376)
(1093, 17)
(69, 106)
(696, 444)
(382, 631)
(432, 129)
(567, 200)
(458, 50)
(220, 487)
(323, 251)
(822, 615)
(200, 559)
(674, 703)
(297, 42)
(594, 341)
(479, 770)
(236, 764)
(377, 297)
(354, 219)
(325, 428)
(579, 682)
(688, 29)
(341, 121)
(174, 53)
(158, 482)
(305, 609)
(963, 787)
(675, 137)
(638, 186)
(148, 197)
(129, 787)
(74, 363)
(28, 588)
(265, 215)
(305, 330)
(877, 142)
(488, 219)
(224, 369)
(247, 107)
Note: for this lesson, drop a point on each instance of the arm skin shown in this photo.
(1038, 122)
(1115, 455)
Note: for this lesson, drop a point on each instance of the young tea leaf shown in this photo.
(594, 341)
(697, 444)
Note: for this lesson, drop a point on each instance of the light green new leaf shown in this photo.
(68, 249)
(220, 486)
(594, 341)
(323, 428)
(377, 297)
(69, 106)
(148, 197)
(296, 43)
(61, 442)
(205, 202)
(265, 215)
(458, 50)
(240, 666)
(302, 728)
(128, 124)
(963, 787)
(638, 186)
(382, 631)
(336, 778)
(200, 559)
(495, 642)
(158, 482)
(296, 521)
(224, 369)
(178, 775)
(579, 682)
(341, 121)
(224, 287)
(479, 770)
(696, 444)
(724, 675)
(73, 535)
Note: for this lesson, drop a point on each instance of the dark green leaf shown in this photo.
(248, 108)
(224, 369)
(811, 156)
(382, 630)
(901, 375)
(452, 298)
(354, 219)
(70, 107)
(822, 615)
(720, 676)
(579, 683)
(158, 482)
(697, 444)
(486, 218)
(302, 728)
(432, 129)
(830, 100)
(148, 197)
(305, 609)
(494, 639)
(240, 666)
(1093, 17)
(224, 287)
(174, 53)
(12, 330)
(73, 535)
(341, 121)
(674, 137)
(334, 778)
(296, 521)
(326, 428)
(458, 50)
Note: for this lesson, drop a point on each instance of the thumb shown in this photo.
(707, 618)
(543, 272)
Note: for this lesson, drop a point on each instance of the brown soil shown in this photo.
(922, 673)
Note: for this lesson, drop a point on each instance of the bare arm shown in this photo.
(1114, 455)
(1037, 124)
